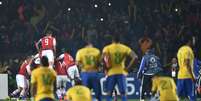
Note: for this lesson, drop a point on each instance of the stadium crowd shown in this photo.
(23, 22)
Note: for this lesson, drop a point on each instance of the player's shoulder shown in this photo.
(185, 47)
(95, 49)
(35, 71)
(53, 72)
(124, 45)
(108, 45)
(81, 50)
(82, 87)
(66, 54)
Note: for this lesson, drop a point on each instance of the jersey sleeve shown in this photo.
(105, 50)
(54, 73)
(78, 56)
(128, 50)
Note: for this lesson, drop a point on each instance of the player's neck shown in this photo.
(89, 46)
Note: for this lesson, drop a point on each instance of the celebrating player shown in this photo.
(48, 47)
(88, 59)
(165, 86)
(22, 80)
(42, 82)
(66, 72)
(78, 92)
(149, 63)
(186, 78)
(116, 54)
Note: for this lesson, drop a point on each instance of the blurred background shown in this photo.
(23, 22)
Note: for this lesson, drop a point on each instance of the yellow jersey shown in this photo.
(44, 79)
(185, 52)
(166, 88)
(89, 57)
(117, 53)
(79, 93)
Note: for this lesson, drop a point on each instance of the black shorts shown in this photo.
(146, 85)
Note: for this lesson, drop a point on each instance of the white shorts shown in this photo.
(22, 81)
(49, 54)
(62, 80)
(73, 72)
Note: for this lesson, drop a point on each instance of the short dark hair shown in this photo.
(49, 32)
(44, 61)
(186, 38)
(116, 37)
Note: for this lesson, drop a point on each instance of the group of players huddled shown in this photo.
(75, 77)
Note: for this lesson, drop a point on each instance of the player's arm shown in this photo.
(37, 45)
(54, 45)
(60, 57)
(33, 88)
(99, 62)
(78, 60)
(142, 66)
(106, 58)
(134, 57)
(190, 69)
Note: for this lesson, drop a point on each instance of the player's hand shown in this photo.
(194, 80)
(199, 90)
(126, 69)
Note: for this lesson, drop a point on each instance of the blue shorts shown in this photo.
(118, 79)
(92, 81)
(186, 87)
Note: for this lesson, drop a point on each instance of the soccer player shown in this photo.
(88, 59)
(78, 92)
(34, 63)
(42, 82)
(149, 63)
(48, 47)
(116, 54)
(22, 80)
(186, 78)
(66, 70)
(165, 86)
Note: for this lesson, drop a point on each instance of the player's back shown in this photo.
(47, 42)
(117, 53)
(79, 93)
(23, 67)
(44, 78)
(185, 52)
(68, 60)
(89, 57)
(166, 88)
(60, 70)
